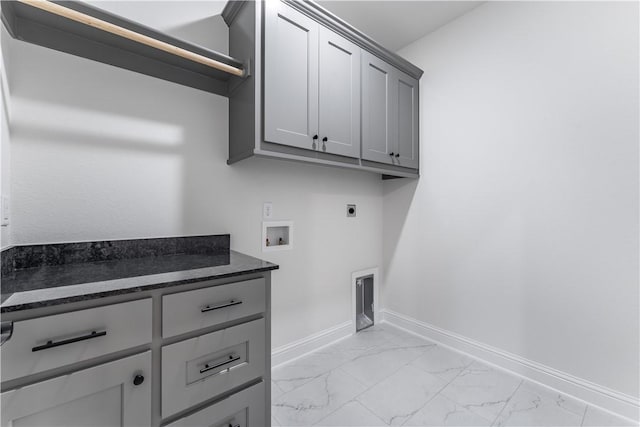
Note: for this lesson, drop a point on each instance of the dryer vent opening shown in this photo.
(364, 302)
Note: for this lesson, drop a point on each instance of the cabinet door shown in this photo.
(102, 396)
(339, 74)
(407, 137)
(290, 77)
(377, 118)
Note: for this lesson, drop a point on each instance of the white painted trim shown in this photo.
(304, 346)
(376, 300)
(609, 400)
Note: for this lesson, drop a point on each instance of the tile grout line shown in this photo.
(297, 387)
(371, 412)
(351, 376)
(507, 402)
(272, 415)
(462, 369)
(355, 379)
(584, 415)
(430, 344)
(439, 392)
(278, 387)
(354, 399)
(367, 388)
(379, 381)
(314, 377)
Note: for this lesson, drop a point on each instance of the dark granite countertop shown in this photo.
(84, 279)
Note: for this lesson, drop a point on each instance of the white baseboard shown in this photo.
(596, 395)
(297, 349)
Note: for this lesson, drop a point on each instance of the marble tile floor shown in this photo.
(385, 376)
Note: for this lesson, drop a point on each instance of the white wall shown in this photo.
(104, 153)
(5, 147)
(522, 232)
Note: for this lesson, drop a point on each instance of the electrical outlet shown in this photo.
(351, 211)
(267, 210)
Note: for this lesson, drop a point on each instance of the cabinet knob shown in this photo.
(315, 137)
(397, 154)
(138, 379)
(325, 139)
(391, 153)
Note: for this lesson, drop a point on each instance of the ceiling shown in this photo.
(397, 23)
(392, 23)
(162, 14)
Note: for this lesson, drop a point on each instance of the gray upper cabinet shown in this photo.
(312, 85)
(319, 91)
(390, 131)
(407, 131)
(339, 95)
(377, 126)
(291, 77)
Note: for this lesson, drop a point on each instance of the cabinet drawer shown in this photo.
(243, 409)
(200, 368)
(62, 339)
(188, 311)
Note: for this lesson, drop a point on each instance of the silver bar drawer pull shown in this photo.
(51, 344)
(219, 306)
(232, 358)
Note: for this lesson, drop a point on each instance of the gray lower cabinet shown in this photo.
(219, 350)
(195, 354)
(390, 130)
(311, 84)
(111, 394)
